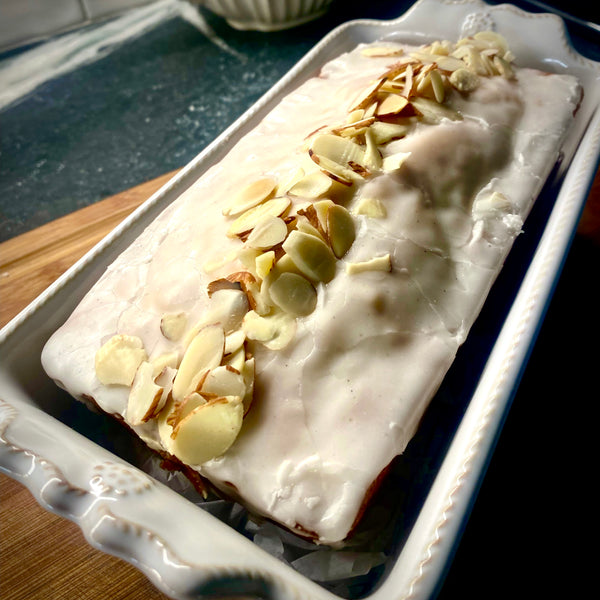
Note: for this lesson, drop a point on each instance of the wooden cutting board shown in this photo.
(43, 556)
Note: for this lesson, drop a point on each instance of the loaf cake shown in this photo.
(281, 327)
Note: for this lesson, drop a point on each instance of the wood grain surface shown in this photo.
(43, 556)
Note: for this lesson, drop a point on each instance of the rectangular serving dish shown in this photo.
(88, 469)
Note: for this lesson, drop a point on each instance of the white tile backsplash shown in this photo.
(23, 21)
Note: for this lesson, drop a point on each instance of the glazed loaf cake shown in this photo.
(281, 327)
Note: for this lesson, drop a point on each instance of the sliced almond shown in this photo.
(173, 325)
(433, 112)
(247, 372)
(449, 63)
(372, 153)
(376, 51)
(168, 360)
(341, 230)
(313, 185)
(306, 226)
(264, 263)
(313, 257)
(366, 96)
(343, 175)
(236, 359)
(503, 67)
(370, 207)
(382, 132)
(394, 161)
(208, 431)
(317, 214)
(224, 381)
(338, 149)
(183, 409)
(117, 361)
(437, 84)
(204, 352)
(268, 232)
(275, 330)
(275, 207)
(145, 397)
(391, 105)
(379, 263)
(494, 39)
(234, 341)
(251, 195)
(294, 294)
(464, 80)
(287, 182)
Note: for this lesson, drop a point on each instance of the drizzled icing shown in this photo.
(333, 408)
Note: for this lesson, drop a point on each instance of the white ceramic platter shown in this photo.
(46, 444)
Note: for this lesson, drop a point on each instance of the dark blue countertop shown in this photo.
(149, 106)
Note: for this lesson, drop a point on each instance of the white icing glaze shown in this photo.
(333, 409)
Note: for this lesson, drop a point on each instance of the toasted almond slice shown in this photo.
(313, 185)
(227, 307)
(382, 132)
(377, 51)
(173, 325)
(392, 104)
(343, 175)
(464, 80)
(268, 232)
(399, 67)
(275, 330)
(449, 63)
(354, 116)
(379, 263)
(234, 341)
(275, 207)
(340, 230)
(433, 112)
(311, 255)
(293, 294)
(366, 96)
(503, 67)
(495, 39)
(355, 128)
(164, 427)
(264, 263)
(208, 431)
(165, 381)
(372, 153)
(224, 381)
(247, 372)
(306, 226)
(289, 181)
(370, 207)
(168, 360)
(117, 361)
(338, 149)
(251, 195)
(236, 359)
(408, 82)
(204, 352)
(145, 396)
(183, 409)
(320, 214)
(437, 83)
(394, 161)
